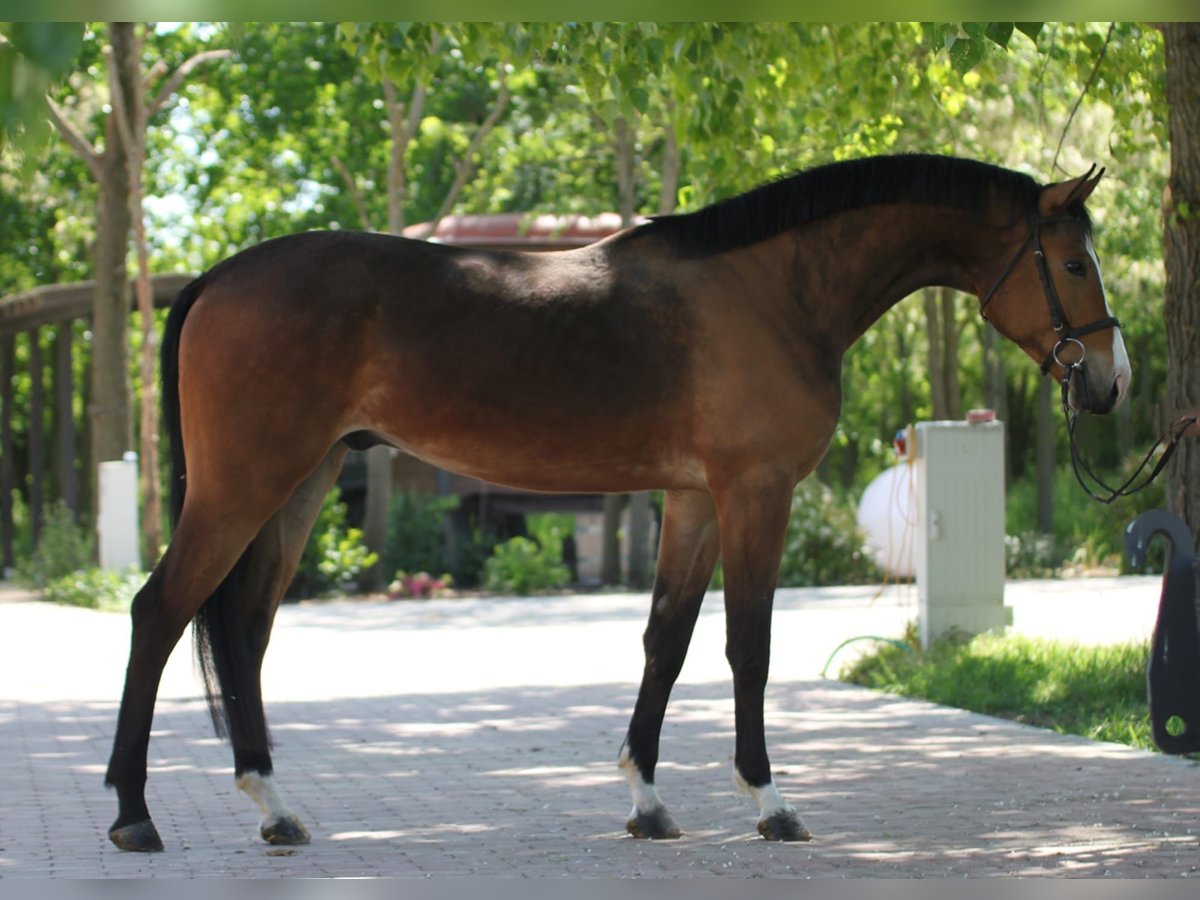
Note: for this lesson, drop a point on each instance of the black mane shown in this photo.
(792, 200)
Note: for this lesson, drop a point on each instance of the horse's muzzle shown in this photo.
(1091, 392)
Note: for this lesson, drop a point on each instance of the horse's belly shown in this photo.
(586, 464)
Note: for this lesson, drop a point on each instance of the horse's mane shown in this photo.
(792, 200)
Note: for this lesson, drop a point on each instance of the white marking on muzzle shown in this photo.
(1122, 371)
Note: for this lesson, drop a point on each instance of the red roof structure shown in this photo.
(521, 231)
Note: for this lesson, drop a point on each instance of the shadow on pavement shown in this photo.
(522, 781)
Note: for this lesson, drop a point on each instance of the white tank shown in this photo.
(887, 516)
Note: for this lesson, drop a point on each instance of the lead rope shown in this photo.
(1079, 465)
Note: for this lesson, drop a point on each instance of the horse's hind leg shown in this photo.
(270, 565)
(201, 554)
(687, 554)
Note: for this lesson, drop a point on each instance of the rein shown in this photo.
(1067, 334)
(1169, 442)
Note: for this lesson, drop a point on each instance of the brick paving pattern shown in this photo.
(501, 760)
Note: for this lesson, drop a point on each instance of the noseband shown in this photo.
(1067, 334)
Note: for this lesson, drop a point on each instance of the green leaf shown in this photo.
(639, 96)
(7, 57)
(1030, 29)
(965, 54)
(50, 46)
(1000, 33)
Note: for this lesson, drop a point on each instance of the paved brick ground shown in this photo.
(501, 761)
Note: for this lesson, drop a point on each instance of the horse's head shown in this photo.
(1049, 299)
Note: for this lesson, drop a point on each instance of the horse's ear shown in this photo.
(1055, 198)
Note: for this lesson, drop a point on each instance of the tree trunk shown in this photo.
(64, 419)
(37, 434)
(936, 364)
(1181, 245)
(8, 363)
(672, 163)
(950, 353)
(109, 409)
(129, 112)
(994, 391)
(1045, 455)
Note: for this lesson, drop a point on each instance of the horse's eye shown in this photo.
(1075, 267)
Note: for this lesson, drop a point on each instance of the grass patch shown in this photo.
(1098, 692)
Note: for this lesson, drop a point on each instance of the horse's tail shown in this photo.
(169, 359)
(222, 650)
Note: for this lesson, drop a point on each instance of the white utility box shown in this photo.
(117, 519)
(960, 527)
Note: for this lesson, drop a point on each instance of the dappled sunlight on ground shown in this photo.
(523, 780)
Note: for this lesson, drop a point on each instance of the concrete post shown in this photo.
(117, 518)
(960, 528)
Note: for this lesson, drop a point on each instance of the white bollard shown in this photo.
(117, 519)
(960, 530)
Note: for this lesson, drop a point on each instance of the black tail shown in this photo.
(222, 648)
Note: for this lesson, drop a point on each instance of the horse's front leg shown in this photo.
(687, 554)
(753, 515)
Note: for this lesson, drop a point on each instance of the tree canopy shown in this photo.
(372, 125)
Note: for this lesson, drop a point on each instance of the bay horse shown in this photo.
(699, 354)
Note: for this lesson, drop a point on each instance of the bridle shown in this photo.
(1068, 334)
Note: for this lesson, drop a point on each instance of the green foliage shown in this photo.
(1097, 692)
(335, 555)
(522, 566)
(96, 589)
(1086, 533)
(1031, 555)
(270, 141)
(61, 568)
(64, 548)
(549, 529)
(418, 532)
(33, 57)
(416, 540)
(824, 545)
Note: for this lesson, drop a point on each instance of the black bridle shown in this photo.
(1068, 334)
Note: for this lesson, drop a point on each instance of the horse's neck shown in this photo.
(862, 262)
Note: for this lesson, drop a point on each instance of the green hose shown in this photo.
(863, 637)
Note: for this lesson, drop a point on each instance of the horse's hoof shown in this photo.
(140, 836)
(784, 826)
(657, 825)
(287, 830)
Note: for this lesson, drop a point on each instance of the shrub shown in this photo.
(417, 533)
(335, 555)
(418, 538)
(1086, 533)
(96, 589)
(1031, 555)
(824, 545)
(64, 548)
(520, 566)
